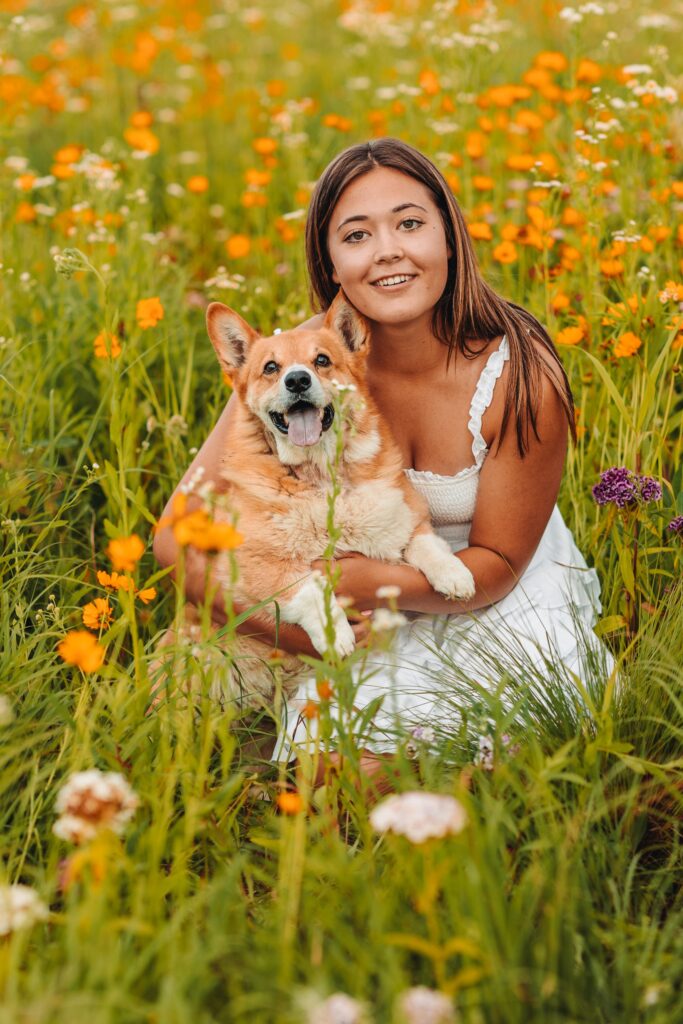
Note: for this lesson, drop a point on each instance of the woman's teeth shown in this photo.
(387, 282)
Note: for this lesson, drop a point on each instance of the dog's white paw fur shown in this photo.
(307, 609)
(444, 570)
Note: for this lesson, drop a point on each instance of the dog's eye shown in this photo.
(271, 367)
(322, 360)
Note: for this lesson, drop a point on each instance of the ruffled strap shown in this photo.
(483, 393)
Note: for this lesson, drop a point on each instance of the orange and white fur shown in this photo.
(276, 475)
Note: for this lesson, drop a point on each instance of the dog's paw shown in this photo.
(344, 638)
(453, 579)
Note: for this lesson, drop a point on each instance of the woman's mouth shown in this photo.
(394, 281)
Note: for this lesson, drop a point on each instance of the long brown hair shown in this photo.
(469, 308)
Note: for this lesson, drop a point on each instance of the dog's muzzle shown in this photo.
(303, 423)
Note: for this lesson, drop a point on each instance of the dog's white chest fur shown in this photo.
(374, 518)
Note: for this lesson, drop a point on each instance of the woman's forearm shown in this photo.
(494, 579)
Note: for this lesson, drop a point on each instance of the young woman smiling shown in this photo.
(479, 403)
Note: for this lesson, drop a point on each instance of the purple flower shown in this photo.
(623, 487)
(676, 525)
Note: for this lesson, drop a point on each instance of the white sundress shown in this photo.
(436, 660)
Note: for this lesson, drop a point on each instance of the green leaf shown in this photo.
(610, 624)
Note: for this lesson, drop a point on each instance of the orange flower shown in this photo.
(148, 312)
(290, 803)
(115, 581)
(68, 154)
(125, 552)
(198, 183)
(147, 595)
(25, 181)
(141, 139)
(324, 688)
(97, 614)
(480, 230)
(552, 60)
(482, 182)
(429, 82)
(140, 119)
(238, 246)
(82, 649)
(106, 346)
(264, 146)
(611, 267)
(569, 336)
(627, 345)
(559, 301)
(25, 213)
(520, 161)
(311, 709)
(505, 252)
(198, 529)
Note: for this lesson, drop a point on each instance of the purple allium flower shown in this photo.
(676, 525)
(623, 487)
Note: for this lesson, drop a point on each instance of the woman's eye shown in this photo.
(271, 367)
(411, 223)
(355, 236)
(322, 360)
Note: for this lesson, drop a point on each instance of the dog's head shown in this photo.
(289, 380)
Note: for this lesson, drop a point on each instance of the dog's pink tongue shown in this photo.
(305, 426)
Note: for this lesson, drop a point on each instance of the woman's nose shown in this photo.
(388, 248)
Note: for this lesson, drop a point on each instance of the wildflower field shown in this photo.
(156, 156)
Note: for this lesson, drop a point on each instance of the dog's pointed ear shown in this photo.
(348, 323)
(230, 335)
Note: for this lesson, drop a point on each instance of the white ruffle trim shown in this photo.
(483, 394)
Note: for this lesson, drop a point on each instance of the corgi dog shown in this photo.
(277, 475)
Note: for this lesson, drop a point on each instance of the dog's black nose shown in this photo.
(298, 381)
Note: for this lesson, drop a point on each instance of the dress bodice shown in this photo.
(452, 499)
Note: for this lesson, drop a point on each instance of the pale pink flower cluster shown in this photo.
(93, 801)
(422, 1005)
(20, 907)
(337, 1009)
(419, 816)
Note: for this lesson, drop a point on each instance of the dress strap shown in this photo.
(483, 393)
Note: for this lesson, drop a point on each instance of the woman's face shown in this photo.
(388, 247)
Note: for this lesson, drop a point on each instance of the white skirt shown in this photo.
(539, 635)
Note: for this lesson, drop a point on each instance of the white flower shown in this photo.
(387, 593)
(422, 1005)
(20, 907)
(341, 388)
(337, 1009)
(383, 619)
(92, 801)
(484, 756)
(419, 816)
(571, 16)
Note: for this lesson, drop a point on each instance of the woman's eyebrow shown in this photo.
(396, 209)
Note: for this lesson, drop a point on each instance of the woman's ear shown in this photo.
(335, 278)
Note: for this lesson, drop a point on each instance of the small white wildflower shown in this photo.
(341, 388)
(571, 15)
(388, 592)
(636, 69)
(337, 1009)
(20, 907)
(422, 1005)
(6, 713)
(92, 801)
(419, 816)
(174, 189)
(176, 426)
(484, 756)
(383, 619)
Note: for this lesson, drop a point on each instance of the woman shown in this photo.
(480, 406)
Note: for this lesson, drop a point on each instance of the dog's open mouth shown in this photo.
(303, 423)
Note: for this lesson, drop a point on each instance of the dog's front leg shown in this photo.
(307, 609)
(444, 570)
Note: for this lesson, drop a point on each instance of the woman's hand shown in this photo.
(359, 578)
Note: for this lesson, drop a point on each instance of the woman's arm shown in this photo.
(514, 502)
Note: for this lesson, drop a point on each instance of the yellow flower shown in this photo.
(627, 345)
(505, 252)
(106, 346)
(148, 312)
(238, 246)
(125, 552)
(115, 581)
(97, 614)
(198, 183)
(82, 649)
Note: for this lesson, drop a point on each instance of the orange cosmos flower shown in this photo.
(140, 119)
(82, 649)
(141, 139)
(106, 346)
(627, 345)
(324, 688)
(25, 181)
(311, 709)
(290, 803)
(125, 552)
(505, 252)
(115, 581)
(482, 182)
(148, 312)
(551, 60)
(198, 529)
(429, 82)
(559, 301)
(97, 614)
(264, 146)
(480, 230)
(611, 267)
(238, 246)
(198, 183)
(68, 154)
(25, 213)
(147, 595)
(569, 336)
